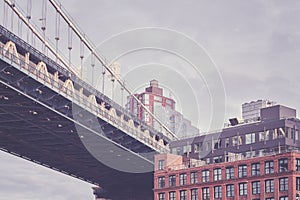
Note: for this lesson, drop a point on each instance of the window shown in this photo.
(158, 98)
(205, 176)
(242, 171)
(256, 187)
(194, 194)
(264, 135)
(283, 165)
(161, 196)
(172, 195)
(297, 164)
(218, 192)
(230, 190)
(217, 159)
(250, 138)
(298, 183)
(243, 189)
(270, 198)
(217, 174)
(187, 148)
(269, 185)
(227, 142)
(281, 133)
(275, 134)
(237, 140)
(284, 198)
(229, 173)
(196, 148)
(217, 143)
(193, 177)
(255, 169)
(269, 167)
(250, 154)
(205, 193)
(183, 195)
(283, 184)
(161, 182)
(207, 160)
(172, 180)
(161, 164)
(146, 99)
(182, 179)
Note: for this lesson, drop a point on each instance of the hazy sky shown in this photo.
(254, 44)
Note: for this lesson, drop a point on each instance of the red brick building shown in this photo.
(273, 176)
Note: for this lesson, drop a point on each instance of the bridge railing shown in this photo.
(46, 78)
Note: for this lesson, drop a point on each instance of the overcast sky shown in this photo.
(255, 46)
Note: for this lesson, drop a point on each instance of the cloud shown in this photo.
(256, 45)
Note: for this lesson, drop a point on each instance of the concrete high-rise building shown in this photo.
(163, 108)
(251, 110)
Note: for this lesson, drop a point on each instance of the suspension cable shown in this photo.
(104, 63)
(38, 35)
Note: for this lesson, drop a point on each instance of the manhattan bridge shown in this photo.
(51, 115)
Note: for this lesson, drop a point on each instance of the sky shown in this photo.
(239, 51)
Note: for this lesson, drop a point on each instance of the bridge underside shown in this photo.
(33, 131)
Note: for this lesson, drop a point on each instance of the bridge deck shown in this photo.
(42, 125)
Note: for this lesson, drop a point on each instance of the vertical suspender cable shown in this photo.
(57, 28)
(81, 58)
(93, 67)
(39, 36)
(122, 97)
(12, 17)
(70, 32)
(104, 63)
(28, 16)
(103, 76)
(43, 19)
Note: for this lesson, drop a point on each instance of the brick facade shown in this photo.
(279, 183)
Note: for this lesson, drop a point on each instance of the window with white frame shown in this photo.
(242, 189)
(217, 174)
(218, 192)
(283, 184)
(269, 185)
(250, 138)
(230, 190)
(256, 187)
(205, 176)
